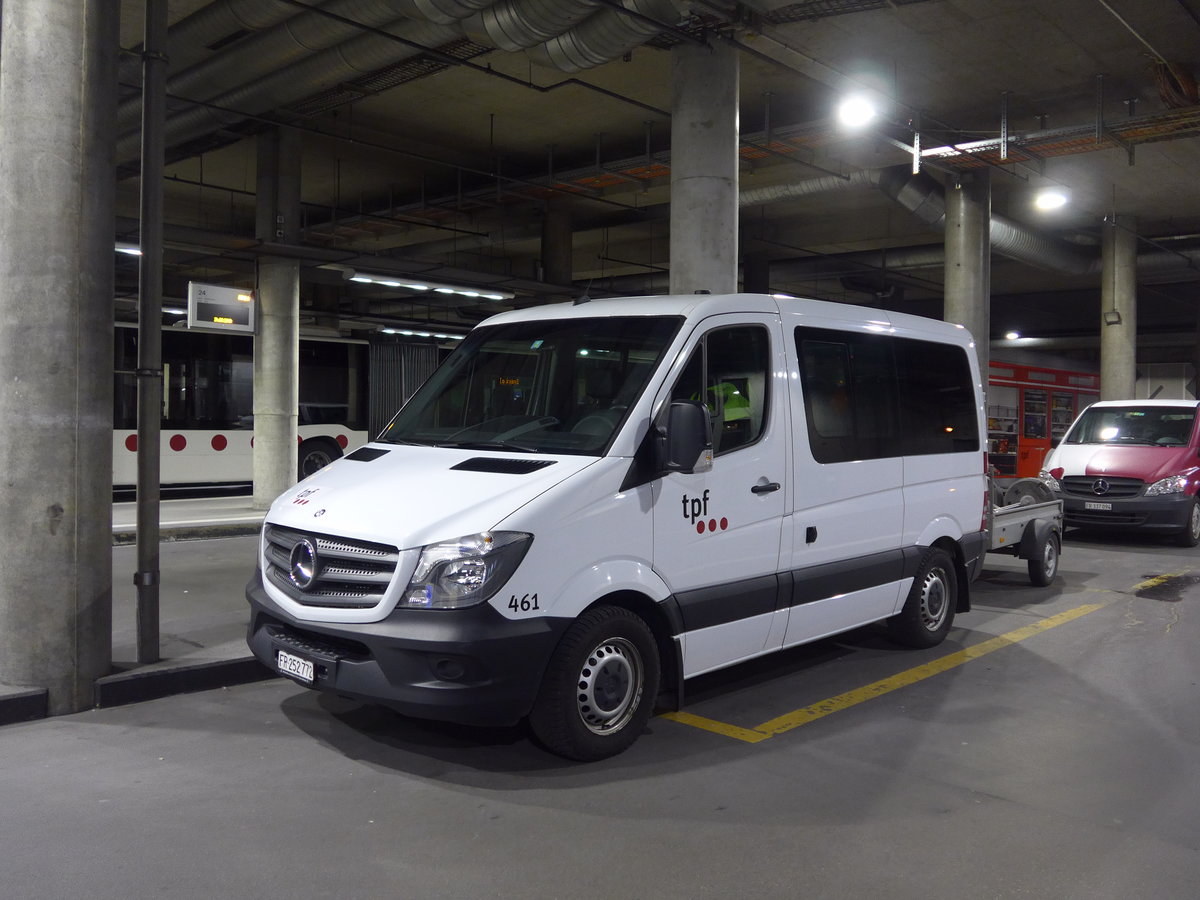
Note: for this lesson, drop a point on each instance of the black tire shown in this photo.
(600, 686)
(928, 612)
(315, 454)
(1043, 569)
(1190, 536)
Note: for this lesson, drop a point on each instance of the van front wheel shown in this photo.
(600, 686)
(929, 610)
(1190, 536)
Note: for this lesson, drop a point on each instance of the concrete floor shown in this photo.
(1062, 765)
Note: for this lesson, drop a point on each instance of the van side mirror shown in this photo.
(684, 439)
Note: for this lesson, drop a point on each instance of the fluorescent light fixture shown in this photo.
(174, 311)
(1050, 198)
(856, 111)
(129, 249)
(413, 284)
(1012, 335)
(404, 332)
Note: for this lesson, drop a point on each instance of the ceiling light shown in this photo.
(1012, 335)
(856, 111)
(129, 249)
(410, 284)
(1050, 198)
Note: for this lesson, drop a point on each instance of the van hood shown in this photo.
(1147, 463)
(409, 496)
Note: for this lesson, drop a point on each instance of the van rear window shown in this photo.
(1147, 426)
(871, 396)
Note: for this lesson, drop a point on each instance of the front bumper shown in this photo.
(471, 666)
(1164, 514)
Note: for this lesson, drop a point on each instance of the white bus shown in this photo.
(208, 423)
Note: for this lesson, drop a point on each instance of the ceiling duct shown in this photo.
(607, 35)
(191, 39)
(293, 83)
(514, 25)
(262, 53)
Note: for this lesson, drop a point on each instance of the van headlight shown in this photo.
(1175, 484)
(1049, 480)
(465, 571)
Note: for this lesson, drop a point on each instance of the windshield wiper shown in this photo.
(491, 445)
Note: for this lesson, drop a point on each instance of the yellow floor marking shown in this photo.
(733, 731)
(799, 717)
(1155, 582)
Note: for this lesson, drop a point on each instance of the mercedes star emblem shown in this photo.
(1100, 487)
(302, 564)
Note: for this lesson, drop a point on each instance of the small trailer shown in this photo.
(1027, 522)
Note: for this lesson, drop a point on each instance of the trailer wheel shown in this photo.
(1044, 567)
(600, 686)
(1190, 536)
(314, 454)
(929, 610)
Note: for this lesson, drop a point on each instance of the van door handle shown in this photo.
(765, 488)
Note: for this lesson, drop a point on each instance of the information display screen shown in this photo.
(217, 306)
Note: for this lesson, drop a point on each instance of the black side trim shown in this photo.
(727, 603)
(842, 577)
(732, 602)
(503, 466)
(366, 454)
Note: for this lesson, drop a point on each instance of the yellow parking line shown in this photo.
(798, 717)
(723, 728)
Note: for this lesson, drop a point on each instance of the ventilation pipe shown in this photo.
(189, 39)
(605, 36)
(514, 25)
(601, 37)
(293, 83)
(261, 54)
(809, 187)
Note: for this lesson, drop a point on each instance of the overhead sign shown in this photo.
(217, 306)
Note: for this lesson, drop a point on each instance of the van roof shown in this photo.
(1155, 402)
(701, 305)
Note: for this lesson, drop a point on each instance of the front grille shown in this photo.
(1084, 486)
(349, 574)
(318, 645)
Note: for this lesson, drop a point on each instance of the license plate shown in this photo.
(300, 669)
(1091, 504)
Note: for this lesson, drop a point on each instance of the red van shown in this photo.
(1131, 465)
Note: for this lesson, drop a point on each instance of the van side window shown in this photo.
(869, 396)
(937, 402)
(728, 370)
(849, 395)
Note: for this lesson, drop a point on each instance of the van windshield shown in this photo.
(551, 386)
(1156, 426)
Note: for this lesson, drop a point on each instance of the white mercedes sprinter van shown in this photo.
(587, 504)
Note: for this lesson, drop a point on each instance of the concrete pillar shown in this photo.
(558, 265)
(704, 169)
(58, 64)
(1118, 307)
(968, 273)
(277, 339)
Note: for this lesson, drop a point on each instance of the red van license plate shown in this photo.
(1091, 504)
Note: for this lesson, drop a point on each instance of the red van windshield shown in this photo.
(1156, 426)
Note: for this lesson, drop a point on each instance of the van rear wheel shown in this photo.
(929, 609)
(600, 686)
